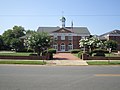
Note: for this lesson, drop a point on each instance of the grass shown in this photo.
(14, 54)
(23, 62)
(109, 55)
(103, 62)
(106, 55)
(75, 54)
(112, 55)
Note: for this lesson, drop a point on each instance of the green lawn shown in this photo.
(107, 55)
(22, 62)
(14, 54)
(103, 62)
(112, 55)
(75, 54)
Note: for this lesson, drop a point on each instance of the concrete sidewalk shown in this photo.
(66, 59)
(65, 56)
(66, 62)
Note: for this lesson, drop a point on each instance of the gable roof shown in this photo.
(47, 29)
(114, 32)
(81, 30)
(78, 30)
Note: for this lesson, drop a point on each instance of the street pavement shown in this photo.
(37, 77)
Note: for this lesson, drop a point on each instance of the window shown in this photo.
(62, 37)
(55, 46)
(70, 46)
(69, 37)
(56, 37)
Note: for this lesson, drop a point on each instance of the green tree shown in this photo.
(1, 43)
(94, 43)
(7, 37)
(111, 44)
(16, 44)
(30, 32)
(11, 34)
(84, 43)
(91, 43)
(18, 31)
(39, 42)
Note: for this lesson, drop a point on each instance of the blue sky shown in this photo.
(99, 16)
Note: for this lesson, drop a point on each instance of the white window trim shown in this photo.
(70, 47)
(62, 37)
(70, 38)
(61, 46)
(55, 46)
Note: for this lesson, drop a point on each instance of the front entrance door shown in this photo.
(62, 47)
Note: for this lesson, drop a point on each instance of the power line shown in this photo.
(84, 15)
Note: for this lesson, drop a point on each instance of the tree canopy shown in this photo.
(18, 31)
(91, 43)
(39, 42)
(11, 34)
(30, 32)
(111, 44)
(1, 42)
(16, 44)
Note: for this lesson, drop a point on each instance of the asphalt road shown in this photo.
(18, 77)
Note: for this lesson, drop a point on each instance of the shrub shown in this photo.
(52, 51)
(75, 51)
(100, 52)
(33, 55)
(30, 50)
(80, 54)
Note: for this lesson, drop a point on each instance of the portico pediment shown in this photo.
(62, 30)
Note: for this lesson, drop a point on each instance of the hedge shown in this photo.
(100, 52)
(52, 51)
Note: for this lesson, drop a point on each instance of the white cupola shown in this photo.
(63, 22)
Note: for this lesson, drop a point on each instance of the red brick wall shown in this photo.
(76, 40)
(26, 57)
(117, 39)
(86, 57)
(103, 58)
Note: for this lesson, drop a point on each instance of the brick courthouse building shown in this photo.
(65, 38)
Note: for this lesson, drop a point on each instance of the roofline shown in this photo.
(108, 32)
